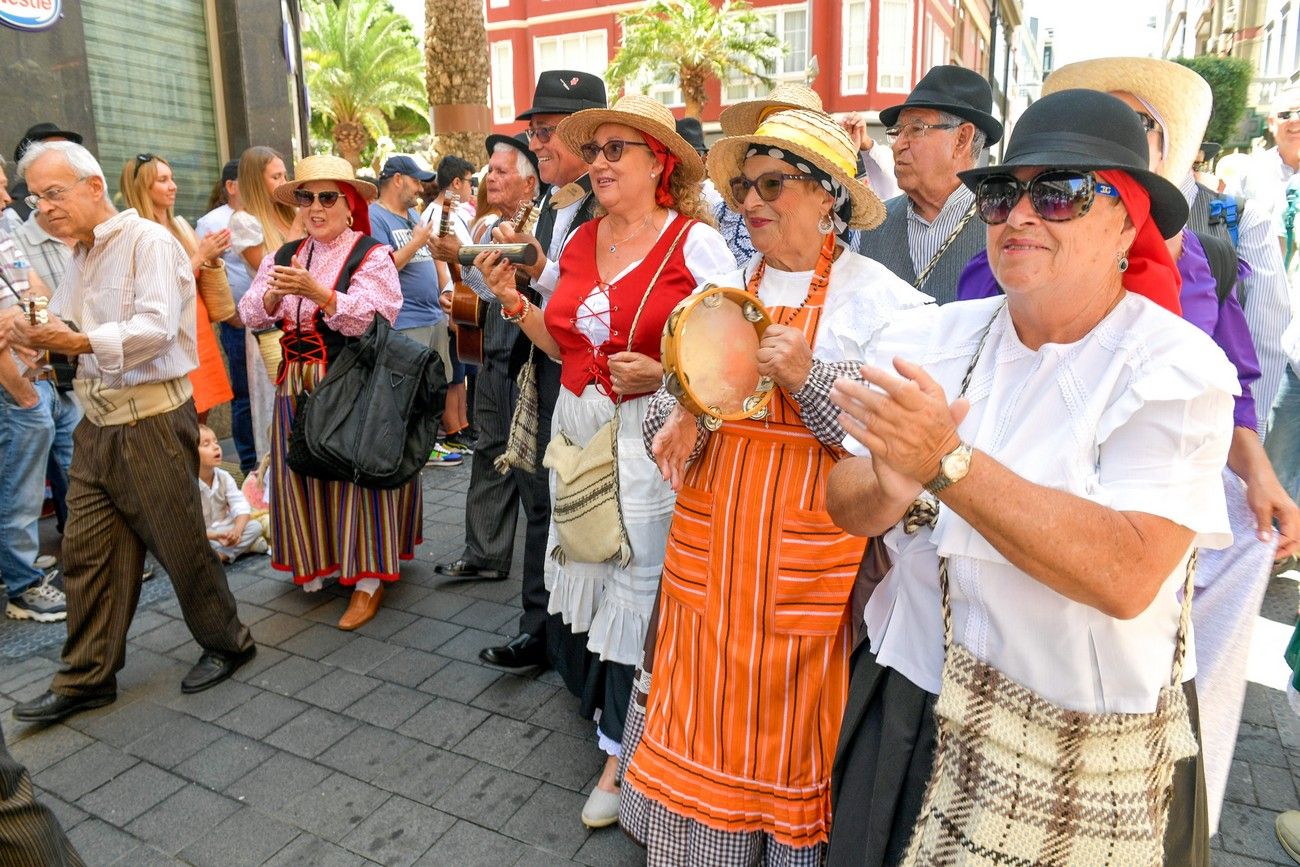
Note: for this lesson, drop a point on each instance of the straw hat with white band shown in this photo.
(1177, 97)
(804, 139)
(743, 118)
(323, 167)
(643, 114)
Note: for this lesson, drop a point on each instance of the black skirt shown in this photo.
(601, 687)
(883, 761)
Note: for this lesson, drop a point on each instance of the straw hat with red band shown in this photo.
(1178, 98)
(743, 118)
(811, 137)
(645, 115)
(1091, 131)
(326, 167)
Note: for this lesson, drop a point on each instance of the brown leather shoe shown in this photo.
(361, 608)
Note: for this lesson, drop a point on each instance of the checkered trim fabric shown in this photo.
(818, 414)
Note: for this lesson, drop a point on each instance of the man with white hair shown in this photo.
(1272, 168)
(125, 313)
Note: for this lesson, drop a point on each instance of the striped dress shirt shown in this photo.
(47, 255)
(925, 238)
(132, 294)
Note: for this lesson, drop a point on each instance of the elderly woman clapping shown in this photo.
(1042, 466)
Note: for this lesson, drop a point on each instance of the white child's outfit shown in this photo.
(222, 504)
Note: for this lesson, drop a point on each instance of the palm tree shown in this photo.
(458, 71)
(363, 67)
(695, 40)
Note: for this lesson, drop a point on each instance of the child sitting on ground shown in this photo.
(226, 513)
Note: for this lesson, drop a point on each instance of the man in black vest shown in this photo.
(929, 233)
(566, 204)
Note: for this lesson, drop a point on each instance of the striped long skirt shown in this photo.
(322, 529)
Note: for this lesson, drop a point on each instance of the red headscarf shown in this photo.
(357, 207)
(669, 160)
(1151, 270)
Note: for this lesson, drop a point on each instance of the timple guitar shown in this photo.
(468, 310)
(61, 367)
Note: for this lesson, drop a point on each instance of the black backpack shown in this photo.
(1223, 263)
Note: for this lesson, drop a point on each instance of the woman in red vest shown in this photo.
(652, 246)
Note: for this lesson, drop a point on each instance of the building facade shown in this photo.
(194, 81)
(869, 53)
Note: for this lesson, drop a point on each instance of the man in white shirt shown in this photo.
(130, 293)
(1271, 169)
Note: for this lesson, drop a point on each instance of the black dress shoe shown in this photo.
(52, 707)
(522, 651)
(214, 667)
(466, 569)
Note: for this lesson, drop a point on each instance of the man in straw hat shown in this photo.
(130, 289)
(940, 129)
(566, 204)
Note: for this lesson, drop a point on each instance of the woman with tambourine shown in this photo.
(619, 277)
(323, 290)
(751, 659)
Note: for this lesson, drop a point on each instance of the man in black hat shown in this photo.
(929, 233)
(40, 132)
(566, 204)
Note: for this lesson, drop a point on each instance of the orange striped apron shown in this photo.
(751, 662)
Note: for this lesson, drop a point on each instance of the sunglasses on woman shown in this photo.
(141, 159)
(769, 185)
(1056, 195)
(612, 149)
(305, 198)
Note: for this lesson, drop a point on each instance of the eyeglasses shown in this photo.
(1288, 114)
(769, 185)
(1149, 123)
(915, 129)
(612, 149)
(1056, 195)
(55, 195)
(305, 198)
(141, 159)
(541, 133)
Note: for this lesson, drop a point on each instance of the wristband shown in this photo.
(515, 313)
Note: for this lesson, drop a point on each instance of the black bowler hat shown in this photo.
(1088, 131)
(956, 90)
(41, 132)
(518, 142)
(565, 91)
(690, 129)
(401, 164)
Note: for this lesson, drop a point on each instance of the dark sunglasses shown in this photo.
(141, 159)
(1148, 122)
(304, 198)
(1056, 195)
(612, 149)
(1287, 115)
(769, 185)
(541, 133)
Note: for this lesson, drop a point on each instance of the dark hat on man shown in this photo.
(519, 142)
(1210, 150)
(401, 164)
(692, 130)
(1088, 131)
(566, 91)
(956, 90)
(41, 132)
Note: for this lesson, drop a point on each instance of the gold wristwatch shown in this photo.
(953, 467)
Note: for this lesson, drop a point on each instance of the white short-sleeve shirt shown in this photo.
(1136, 416)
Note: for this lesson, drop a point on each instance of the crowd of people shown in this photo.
(973, 583)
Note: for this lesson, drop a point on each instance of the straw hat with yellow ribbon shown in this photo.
(743, 118)
(1178, 98)
(323, 167)
(806, 140)
(646, 115)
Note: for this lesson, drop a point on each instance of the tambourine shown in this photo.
(709, 352)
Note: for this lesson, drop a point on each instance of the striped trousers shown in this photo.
(133, 488)
(29, 833)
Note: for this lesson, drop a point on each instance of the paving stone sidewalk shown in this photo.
(394, 744)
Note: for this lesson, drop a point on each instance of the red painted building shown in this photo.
(869, 52)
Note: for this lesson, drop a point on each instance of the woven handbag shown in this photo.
(588, 514)
(214, 286)
(1018, 780)
(521, 441)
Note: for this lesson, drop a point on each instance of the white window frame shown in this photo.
(502, 54)
(498, 4)
(851, 62)
(563, 62)
(903, 73)
(754, 89)
(937, 45)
